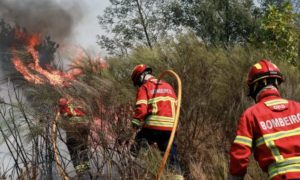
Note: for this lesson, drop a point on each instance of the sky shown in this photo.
(84, 33)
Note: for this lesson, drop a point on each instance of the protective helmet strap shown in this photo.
(141, 78)
(265, 81)
(255, 88)
(252, 89)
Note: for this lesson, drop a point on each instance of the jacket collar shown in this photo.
(153, 80)
(269, 92)
(148, 77)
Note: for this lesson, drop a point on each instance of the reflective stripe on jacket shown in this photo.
(270, 128)
(67, 109)
(155, 105)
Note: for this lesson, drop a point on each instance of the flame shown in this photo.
(36, 74)
(32, 41)
(24, 71)
(81, 55)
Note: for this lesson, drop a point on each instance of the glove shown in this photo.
(135, 127)
(136, 124)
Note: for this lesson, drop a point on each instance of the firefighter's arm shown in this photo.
(141, 107)
(241, 149)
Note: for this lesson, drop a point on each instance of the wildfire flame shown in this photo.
(25, 72)
(34, 73)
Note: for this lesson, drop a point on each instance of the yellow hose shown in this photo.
(167, 152)
(56, 156)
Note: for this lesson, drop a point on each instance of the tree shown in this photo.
(277, 33)
(280, 4)
(216, 22)
(131, 23)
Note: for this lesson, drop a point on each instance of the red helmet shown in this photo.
(62, 102)
(138, 70)
(263, 69)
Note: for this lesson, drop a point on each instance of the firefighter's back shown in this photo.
(277, 130)
(162, 105)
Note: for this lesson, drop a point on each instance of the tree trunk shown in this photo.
(143, 23)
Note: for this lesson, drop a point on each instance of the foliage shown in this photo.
(226, 23)
(280, 4)
(130, 23)
(277, 34)
(217, 22)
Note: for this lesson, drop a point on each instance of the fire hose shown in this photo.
(179, 93)
(54, 146)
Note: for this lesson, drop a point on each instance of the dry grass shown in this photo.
(214, 97)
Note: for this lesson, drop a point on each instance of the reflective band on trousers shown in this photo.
(285, 166)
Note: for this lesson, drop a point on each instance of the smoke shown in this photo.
(42, 16)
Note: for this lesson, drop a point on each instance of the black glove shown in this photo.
(135, 127)
(136, 124)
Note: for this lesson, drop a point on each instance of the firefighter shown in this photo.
(154, 113)
(77, 130)
(270, 128)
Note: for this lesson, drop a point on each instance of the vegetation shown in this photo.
(218, 22)
(132, 23)
(210, 44)
(278, 34)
